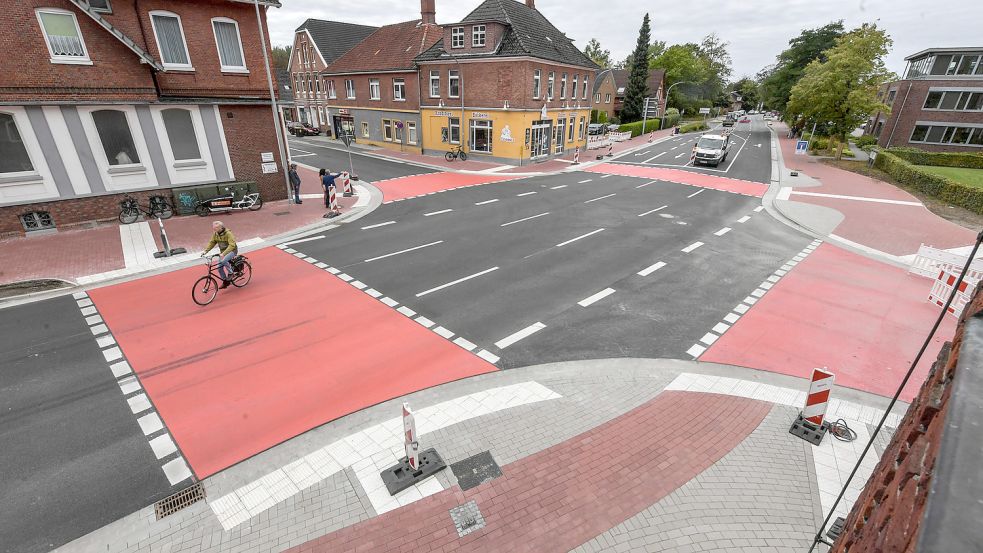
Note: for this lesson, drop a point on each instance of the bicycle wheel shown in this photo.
(242, 277)
(205, 290)
(127, 216)
(463, 156)
(449, 156)
(201, 210)
(257, 204)
(164, 211)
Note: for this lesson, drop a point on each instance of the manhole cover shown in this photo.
(476, 470)
(467, 518)
(278, 213)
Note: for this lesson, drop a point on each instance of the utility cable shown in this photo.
(952, 296)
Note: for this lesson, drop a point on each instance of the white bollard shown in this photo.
(411, 445)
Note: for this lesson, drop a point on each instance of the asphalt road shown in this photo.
(72, 457)
(333, 157)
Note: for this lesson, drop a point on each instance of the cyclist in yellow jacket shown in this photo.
(226, 243)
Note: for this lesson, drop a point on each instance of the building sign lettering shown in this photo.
(479, 115)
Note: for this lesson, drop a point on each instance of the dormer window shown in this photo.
(457, 37)
(478, 36)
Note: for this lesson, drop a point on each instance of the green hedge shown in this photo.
(636, 127)
(865, 142)
(937, 186)
(693, 127)
(939, 159)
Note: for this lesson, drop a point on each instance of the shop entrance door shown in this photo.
(541, 138)
(561, 125)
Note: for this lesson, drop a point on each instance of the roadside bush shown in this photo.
(939, 159)
(819, 143)
(937, 186)
(636, 127)
(693, 127)
(866, 142)
(602, 117)
(672, 117)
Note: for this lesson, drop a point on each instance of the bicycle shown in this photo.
(130, 210)
(456, 153)
(206, 287)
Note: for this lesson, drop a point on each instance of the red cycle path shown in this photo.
(565, 495)
(691, 178)
(863, 319)
(294, 349)
(407, 187)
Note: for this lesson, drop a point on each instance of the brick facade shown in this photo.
(604, 94)
(907, 111)
(304, 71)
(386, 97)
(489, 84)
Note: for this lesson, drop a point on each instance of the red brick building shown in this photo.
(938, 106)
(317, 44)
(605, 91)
(105, 97)
(656, 87)
(374, 88)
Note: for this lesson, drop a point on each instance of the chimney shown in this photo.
(531, 3)
(428, 12)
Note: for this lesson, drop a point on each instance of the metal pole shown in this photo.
(811, 136)
(645, 113)
(276, 112)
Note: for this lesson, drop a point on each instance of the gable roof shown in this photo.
(333, 38)
(528, 33)
(599, 78)
(656, 77)
(390, 47)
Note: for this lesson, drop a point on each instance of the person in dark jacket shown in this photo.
(327, 181)
(295, 182)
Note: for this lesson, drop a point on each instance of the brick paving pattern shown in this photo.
(553, 500)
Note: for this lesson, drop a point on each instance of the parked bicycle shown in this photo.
(130, 209)
(206, 287)
(229, 202)
(456, 153)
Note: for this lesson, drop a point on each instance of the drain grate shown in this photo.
(467, 518)
(476, 470)
(180, 500)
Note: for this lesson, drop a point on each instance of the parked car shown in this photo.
(595, 129)
(297, 128)
(712, 149)
(728, 121)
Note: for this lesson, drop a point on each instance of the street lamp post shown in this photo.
(273, 105)
(663, 120)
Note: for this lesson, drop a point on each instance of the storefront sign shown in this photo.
(506, 135)
(269, 168)
(443, 114)
(342, 111)
(479, 115)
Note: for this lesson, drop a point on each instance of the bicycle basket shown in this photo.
(237, 262)
(128, 203)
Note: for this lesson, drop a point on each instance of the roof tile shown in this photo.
(389, 48)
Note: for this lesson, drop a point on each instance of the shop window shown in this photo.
(37, 220)
(481, 136)
(365, 129)
(411, 137)
(455, 126)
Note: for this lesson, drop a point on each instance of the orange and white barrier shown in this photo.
(610, 150)
(332, 199)
(942, 288)
(576, 156)
(818, 398)
(346, 183)
(411, 445)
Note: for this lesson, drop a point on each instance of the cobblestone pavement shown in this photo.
(756, 492)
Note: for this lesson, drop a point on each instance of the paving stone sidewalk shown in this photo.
(757, 490)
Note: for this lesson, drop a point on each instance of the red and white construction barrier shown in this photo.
(942, 288)
(411, 444)
(346, 183)
(818, 398)
(610, 150)
(576, 155)
(332, 199)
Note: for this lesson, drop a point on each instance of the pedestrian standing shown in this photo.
(295, 182)
(327, 181)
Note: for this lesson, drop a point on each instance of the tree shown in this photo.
(638, 76)
(281, 57)
(748, 89)
(842, 91)
(681, 63)
(713, 52)
(594, 52)
(777, 80)
(656, 49)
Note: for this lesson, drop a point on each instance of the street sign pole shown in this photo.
(645, 114)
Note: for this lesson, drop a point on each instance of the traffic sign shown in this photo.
(801, 147)
(704, 111)
(346, 138)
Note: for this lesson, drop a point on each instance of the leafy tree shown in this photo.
(843, 90)
(748, 89)
(681, 63)
(777, 80)
(593, 51)
(713, 52)
(281, 56)
(638, 74)
(656, 49)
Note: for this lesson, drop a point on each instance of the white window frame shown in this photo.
(120, 177)
(451, 78)
(411, 136)
(387, 124)
(108, 9)
(597, 97)
(478, 31)
(584, 95)
(563, 86)
(435, 80)
(242, 53)
(401, 97)
(375, 89)
(550, 82)
(365, 129)
(36, 184)
(537, 84)
(184, 41)
(450, 130)
(607, 98)
(397, 131)
(349, 89)
(457, 33)
(580, 128)
(67, 60)
(332, 92)
(483, 124)
(184, 171)
(574, 86)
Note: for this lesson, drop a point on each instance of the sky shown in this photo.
(757, 30)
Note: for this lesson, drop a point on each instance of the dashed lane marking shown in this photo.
(643, 185)
(585, 181)
(524, 333)
(486, 202)
(559, 186)
(691, 247)
(651, 268)
(526, 193)
(525, 219)
(561, 244)
(722, 231)
(601, 198)
(744, 219)
(377, 225)
(695, 193)
(404, 251)
(596, 297)
(656, 156)
(652, 211)
(458, 281)
(437, 212)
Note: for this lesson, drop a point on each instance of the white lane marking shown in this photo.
(744, 219)
(585, 181)
(696, 351)
(162, 446)
(458, 281)
(674, 147)
(84, 302)
(468, 345)
(441, 331)
(526, 193)
(404, 251)
(680, 155)
(709, 338)
(692, 247)
(651, 269)
(176, 470)
(437, 212)
(139, 403)
(321, 265)
(695, 193)
(121, 368)
(89, 311)
(596, 297)
(564, 186)
(720, 328)
(425, 322)
(759, 208)
(112, 354)
(79, 295)
(856, 198)
(377, 225)
(488, 356)
(646, 184)
(332, 270)
(652, 211)
(99, 329)
(601, 198)
(150, 423)
(561, 244)
(486, 202)
(105, 341)
(389, 301)
(722, 231)
(524, 333)
(732, 318)
(373, 292)
(406, 311)
(311, 239)
(742, 309)
(654, 157)
(525, 219)
(606, 176)
(346, 277)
